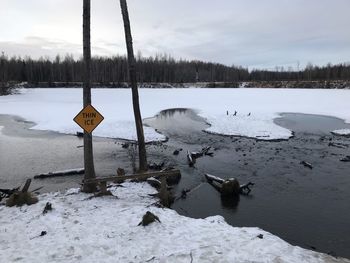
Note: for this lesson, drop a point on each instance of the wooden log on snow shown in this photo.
(60, 173)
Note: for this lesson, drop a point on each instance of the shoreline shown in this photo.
(277, 84)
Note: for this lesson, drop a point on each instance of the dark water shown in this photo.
(25, 153)
(309, 208)
(311, 124)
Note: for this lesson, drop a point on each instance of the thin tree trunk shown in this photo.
(135, 94)
(88, 151)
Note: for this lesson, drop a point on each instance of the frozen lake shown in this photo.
(256, 109)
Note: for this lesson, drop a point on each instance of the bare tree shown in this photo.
(88, 151)
(133, 83)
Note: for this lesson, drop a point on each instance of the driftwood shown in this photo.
(156, 166)
(191, 161)
(192, 156)
(345, 159)
(60, 173)
(211, 178)
(154, 182)
(186, 192)
(228, 187)
(306, 164)
(204, 151)
(5, 193)
(19, 198)
(338, 145)
(245, 189)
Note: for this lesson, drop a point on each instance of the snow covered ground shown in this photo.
(54, 109)
(106, 229)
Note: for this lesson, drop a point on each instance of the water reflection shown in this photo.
(230, 202)
(177, 122)
(171, 112)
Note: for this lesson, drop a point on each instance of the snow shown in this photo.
(106, 229)
(54, 109)
(342, 132)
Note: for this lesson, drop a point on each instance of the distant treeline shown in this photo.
(158, 69)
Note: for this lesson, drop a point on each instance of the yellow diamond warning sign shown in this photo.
(88, 118)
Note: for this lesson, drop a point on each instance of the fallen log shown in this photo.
(211, 178)
(8, 192)
(154, 182)
(186, 192)
(60, 173)
(156, 166)
(191, 161)
(202, 152)
(228, 187)
(338, 145)
(306, 164)
(345, 159)
(5, 193)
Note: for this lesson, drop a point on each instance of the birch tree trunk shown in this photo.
(88, 151)
(133, 83)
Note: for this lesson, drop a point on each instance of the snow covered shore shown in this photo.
(342, 132)
(106, 230)
(54, 109)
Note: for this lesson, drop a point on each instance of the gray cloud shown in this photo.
(251, 33)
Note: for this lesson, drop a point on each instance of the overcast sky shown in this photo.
(251, 33)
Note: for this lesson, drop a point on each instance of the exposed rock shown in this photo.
(47, 208)
(149, 218)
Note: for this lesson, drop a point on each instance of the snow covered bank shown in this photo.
(54, 109)
(342, 132)
(106, 230)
